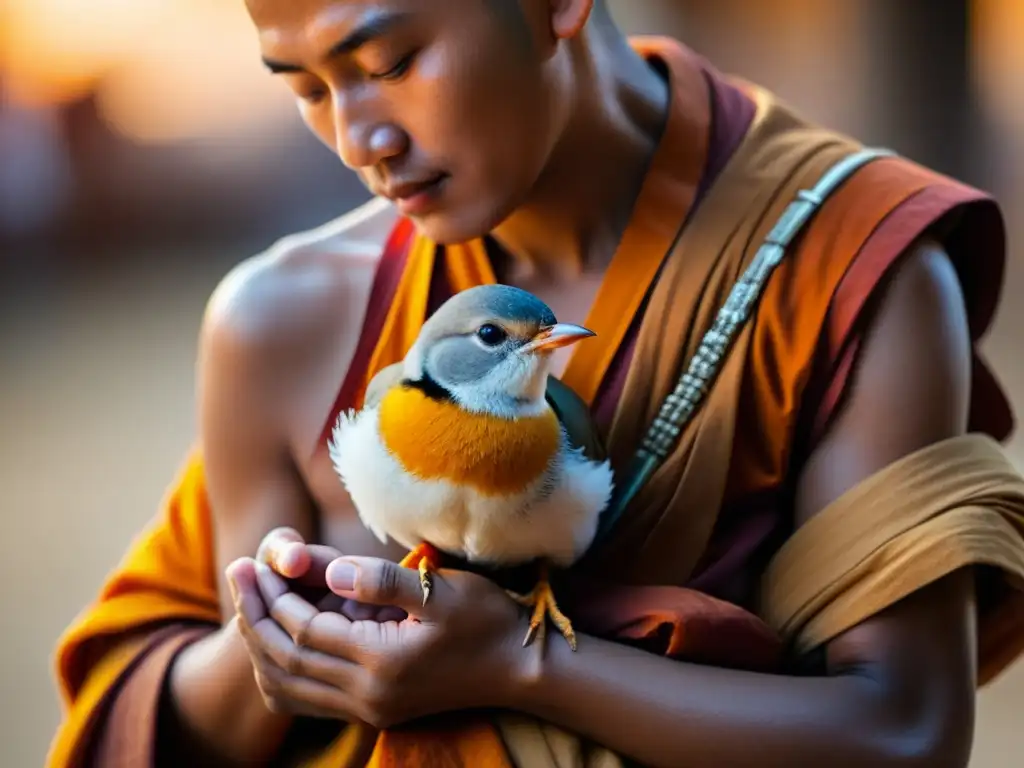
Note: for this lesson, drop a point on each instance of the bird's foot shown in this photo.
(426, 559)
(543, 604)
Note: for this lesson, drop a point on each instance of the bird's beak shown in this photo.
(558, 335)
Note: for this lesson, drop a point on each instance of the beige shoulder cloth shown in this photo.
(957, 503)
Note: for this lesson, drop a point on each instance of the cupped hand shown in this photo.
(304, 568)
(462, 650)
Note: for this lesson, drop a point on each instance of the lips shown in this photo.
(416, 198)
(409, 189)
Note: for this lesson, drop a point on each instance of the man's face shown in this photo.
(451, 107)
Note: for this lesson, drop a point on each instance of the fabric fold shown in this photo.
(954, 504)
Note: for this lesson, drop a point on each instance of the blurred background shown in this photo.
(143, 152)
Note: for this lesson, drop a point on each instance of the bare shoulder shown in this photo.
(284, 304)
(911, 385)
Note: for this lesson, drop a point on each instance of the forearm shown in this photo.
(668, 713)
(217, 707)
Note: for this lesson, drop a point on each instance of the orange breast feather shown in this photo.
(437, 440)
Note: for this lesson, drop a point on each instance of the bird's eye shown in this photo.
(491, 335)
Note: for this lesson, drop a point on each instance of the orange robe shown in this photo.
(693, 543)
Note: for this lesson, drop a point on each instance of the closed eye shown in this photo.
(315, 96)
(399, 70)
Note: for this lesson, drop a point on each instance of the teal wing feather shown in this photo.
(575, 416)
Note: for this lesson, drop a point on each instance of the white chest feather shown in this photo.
(554, 518)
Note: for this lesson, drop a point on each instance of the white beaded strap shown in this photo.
(695, 382)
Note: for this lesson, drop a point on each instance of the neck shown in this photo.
(580, 207)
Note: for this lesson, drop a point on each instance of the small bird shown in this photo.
(457, 450)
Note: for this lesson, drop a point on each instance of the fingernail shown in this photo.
(341, 576)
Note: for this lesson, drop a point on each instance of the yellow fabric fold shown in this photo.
(167, 576)
(468, 264)
(70, 744)
(407, 313)
(954, 504)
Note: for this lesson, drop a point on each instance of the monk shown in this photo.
(823, 559)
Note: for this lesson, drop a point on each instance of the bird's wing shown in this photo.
(575, 417)
(385, 379)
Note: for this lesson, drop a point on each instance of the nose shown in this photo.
(363, 141)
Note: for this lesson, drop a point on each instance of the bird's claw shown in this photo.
(426, 579)
(541, 600)
(425, 559)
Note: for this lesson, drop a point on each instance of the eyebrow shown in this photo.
(376, 26)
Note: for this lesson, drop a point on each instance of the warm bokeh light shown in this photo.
(161, 70)
(999, 57)
(200, 78)
(57, 50)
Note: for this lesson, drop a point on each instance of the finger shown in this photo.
(354, 611)
(263, 666)
(274, 540)
(301, 622)
(292, 560)
(273, 642)
(289, 694)
(287, 608)
(361, 612)
(379, 582)
(315, 574)
(257, 657)
(388, 613)
(380, 614)
(331, 603)
(284, 550)
(248, 598)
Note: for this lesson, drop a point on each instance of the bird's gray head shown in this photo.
(489, 349)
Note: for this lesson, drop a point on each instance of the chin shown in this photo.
(453, 225)
(444, 230)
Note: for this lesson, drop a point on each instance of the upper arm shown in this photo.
(911, 388)
(251, 481)
(270, 329)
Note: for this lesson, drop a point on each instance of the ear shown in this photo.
(569, 16)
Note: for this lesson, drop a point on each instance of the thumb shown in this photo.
(379, 582)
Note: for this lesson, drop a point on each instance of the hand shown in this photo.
(459, 652)
(304, 566)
